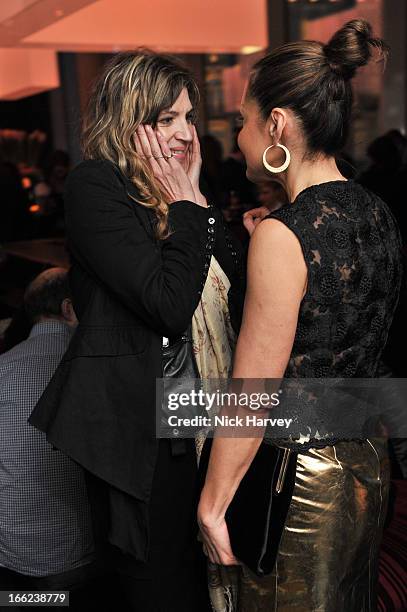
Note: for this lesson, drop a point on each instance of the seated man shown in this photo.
(45, 533)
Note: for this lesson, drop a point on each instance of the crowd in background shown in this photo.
(32, 204)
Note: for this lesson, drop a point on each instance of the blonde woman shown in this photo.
(142, 240)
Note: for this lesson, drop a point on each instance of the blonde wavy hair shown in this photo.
(134, 88)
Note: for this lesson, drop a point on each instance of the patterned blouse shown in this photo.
(352, 249)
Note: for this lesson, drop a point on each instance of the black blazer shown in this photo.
(129, 290)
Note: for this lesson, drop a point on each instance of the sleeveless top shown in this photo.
(352, 248)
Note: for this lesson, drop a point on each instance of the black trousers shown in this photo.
(174, 577)
(83, 584)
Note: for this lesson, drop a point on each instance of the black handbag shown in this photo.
(258, 511)
(180, 371)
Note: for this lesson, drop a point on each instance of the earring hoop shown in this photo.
(281, 168)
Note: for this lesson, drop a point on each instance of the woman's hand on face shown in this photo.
(253, 217)
(167, 170)
(215, 538)
(194, 160)
(194, 167)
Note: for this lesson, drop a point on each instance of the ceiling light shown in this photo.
(248, 49)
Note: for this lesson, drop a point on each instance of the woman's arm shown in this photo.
(277, 277)
(160, 285)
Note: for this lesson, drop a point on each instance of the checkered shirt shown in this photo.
(44, 511)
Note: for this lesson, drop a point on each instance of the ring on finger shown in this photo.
(168, 156)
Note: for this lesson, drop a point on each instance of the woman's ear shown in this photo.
(278, 121)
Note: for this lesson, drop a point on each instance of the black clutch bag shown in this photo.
(258, 511)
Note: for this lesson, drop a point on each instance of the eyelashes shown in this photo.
(166, 120)
(191, 118)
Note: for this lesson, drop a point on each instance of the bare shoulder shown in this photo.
(272, 235)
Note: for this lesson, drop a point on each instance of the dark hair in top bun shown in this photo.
(351, 47)
(313, 80)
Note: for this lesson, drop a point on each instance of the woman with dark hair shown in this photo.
(323, 283)
(152, 268)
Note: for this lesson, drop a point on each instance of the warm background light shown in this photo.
(31, 30)
(174, 25)
(25, 72)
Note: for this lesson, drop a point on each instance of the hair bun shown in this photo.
(351, 47)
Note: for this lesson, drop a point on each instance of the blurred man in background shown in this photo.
(45, 534)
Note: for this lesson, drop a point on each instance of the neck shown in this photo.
(302, 174)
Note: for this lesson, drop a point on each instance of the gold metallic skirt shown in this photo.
(328, 555)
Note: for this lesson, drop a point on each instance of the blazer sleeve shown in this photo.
(160, 285)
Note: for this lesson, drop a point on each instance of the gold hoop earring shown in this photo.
(280, 168)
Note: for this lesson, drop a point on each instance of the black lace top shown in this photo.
(352, 249)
